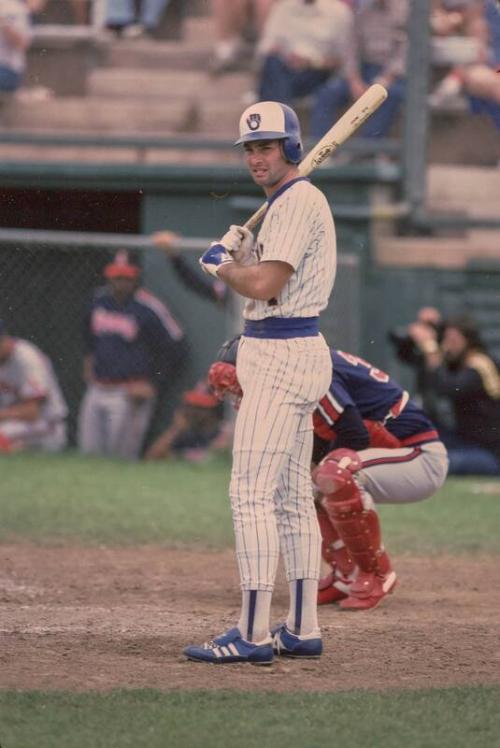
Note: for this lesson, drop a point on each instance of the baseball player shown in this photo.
(32, 408)
(372, 444)
(132, 344)
(284, 368)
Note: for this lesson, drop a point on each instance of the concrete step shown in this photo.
(158, 55)
(97, 114)
(469, 190)
(221, 118)
(199, 29)
(438, 252)
(463, 138)
(167, 84)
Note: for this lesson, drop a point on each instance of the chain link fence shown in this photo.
(44, 291)
(46, 284)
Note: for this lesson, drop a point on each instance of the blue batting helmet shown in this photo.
(270, 120)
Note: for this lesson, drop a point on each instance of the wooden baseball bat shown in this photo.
(355, 116)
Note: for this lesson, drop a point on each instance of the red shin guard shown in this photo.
(358, 527)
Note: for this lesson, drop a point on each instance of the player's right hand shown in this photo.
(214, 258)
(239, 243)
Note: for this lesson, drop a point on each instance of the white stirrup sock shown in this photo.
(303, 614)
(255, 615)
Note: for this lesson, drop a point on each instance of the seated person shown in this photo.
(123, 19)
(459, 41)
(482, 82)
(461, 370)
(377, 54)
(303, 42)
(235, 23)
(195, 430)
(15, 38)
(32, 408)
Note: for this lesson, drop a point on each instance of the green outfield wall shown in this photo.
(43, 288)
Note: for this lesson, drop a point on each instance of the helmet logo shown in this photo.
(253, 121)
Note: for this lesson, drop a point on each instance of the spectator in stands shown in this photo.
(124, 21)
(303, 42)
(482, 82)
(377, 54)
(32, 408)
(236, 22)
(196, 429)
(460, 41)
(15, 38)
(133, 346)
(461, 370)
(194, 279)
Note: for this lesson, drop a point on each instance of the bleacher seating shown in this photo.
(162, 86)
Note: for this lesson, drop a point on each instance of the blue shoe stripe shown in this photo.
(299, 584)
(290, 645)
(230, 647)
(252, 604)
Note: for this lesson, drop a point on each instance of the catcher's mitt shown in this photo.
(223, 380)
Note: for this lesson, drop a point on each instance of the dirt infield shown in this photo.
(81, 619)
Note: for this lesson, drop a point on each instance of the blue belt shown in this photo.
(282, 327)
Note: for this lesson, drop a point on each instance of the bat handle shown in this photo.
(254, 219)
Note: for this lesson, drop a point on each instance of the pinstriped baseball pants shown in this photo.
(271, 490)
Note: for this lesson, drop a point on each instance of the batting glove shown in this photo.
(239, 243)
(213, 259)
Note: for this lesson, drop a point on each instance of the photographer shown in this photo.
(408, 352)
(461, 370)
(15, 38)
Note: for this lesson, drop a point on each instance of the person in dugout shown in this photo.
(372, 445)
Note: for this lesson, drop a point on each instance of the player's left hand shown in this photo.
(214, 258)
(239, 243)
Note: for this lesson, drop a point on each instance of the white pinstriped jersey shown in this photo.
(298, 229)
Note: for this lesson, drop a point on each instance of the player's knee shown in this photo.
(335, 473)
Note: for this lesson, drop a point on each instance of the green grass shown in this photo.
(437, 718)
(68, 498)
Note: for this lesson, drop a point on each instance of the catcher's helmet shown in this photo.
(270, 120)
(228, 350)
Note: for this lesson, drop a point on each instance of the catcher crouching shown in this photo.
(372, 445)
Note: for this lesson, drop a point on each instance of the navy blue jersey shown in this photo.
(137, 339)
(359, 387)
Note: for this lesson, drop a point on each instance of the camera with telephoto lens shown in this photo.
(405, 347)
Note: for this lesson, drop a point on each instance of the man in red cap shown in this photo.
(196, 428)
(132, 344)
